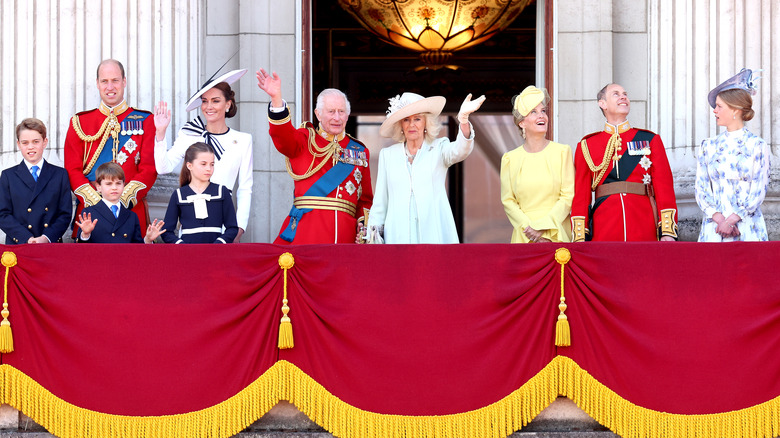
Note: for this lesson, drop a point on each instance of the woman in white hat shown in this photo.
(410, 202)
(232, 149)
(732, 172)
(537, 178)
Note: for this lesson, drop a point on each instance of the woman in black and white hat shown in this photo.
(410, 201)
(232, 148)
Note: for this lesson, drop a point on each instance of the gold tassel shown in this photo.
(6, 335)
(562, 330)
(286, 261)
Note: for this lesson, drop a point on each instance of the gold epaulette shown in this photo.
(130, 194)
(356, 140)
(667, 224)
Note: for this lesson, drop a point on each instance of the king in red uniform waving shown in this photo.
(628, 170)
(112, 132)
(332, 179)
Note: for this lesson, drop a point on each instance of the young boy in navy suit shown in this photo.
(113, 222)
(35, 202)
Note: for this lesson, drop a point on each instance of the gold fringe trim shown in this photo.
(285, 381)
(631, 421)
(496, 420)
(69, 421)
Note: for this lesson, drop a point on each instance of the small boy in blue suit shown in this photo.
(113, 222)
(35, 202)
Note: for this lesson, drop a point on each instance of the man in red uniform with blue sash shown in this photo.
(332, 179)
(112, 132)
(629, 173)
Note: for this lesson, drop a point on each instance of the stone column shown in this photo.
(585, 64)
(694, 46)
(267, 33)
(52, 49)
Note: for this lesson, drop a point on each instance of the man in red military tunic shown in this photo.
(330, 169)
(112, 132)
(628, 170)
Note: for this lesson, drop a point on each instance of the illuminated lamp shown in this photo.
(435, 28)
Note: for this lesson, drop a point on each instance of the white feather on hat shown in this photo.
(409, 104)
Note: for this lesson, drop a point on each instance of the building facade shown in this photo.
(668, 55)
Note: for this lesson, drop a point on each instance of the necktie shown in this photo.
(115, 210)
(34, 171)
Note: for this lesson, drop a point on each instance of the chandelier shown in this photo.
(435, 28)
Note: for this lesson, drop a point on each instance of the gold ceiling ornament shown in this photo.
(435, 28)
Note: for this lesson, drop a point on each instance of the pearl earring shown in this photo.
(522, 131)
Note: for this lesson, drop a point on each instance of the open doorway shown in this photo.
(370, 71)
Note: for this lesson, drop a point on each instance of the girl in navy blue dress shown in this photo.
(203, 209)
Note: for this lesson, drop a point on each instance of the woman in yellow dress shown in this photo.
(537, 178)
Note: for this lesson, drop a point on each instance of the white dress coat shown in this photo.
(396, 187)
(235, 164)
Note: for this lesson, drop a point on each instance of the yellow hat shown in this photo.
(523, 103)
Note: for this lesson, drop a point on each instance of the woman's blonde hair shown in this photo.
(432, 128)
(740, 100)
(518, 116)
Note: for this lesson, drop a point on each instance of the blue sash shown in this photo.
(326, 184)
(132, 122)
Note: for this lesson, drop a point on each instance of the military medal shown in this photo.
(638, 147)
(358, 176)
(350, 187)
(130, 145)
(121, 157)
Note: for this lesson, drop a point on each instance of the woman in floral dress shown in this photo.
(733, 168)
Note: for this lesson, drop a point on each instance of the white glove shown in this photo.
(469, 106)
(375, 235)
